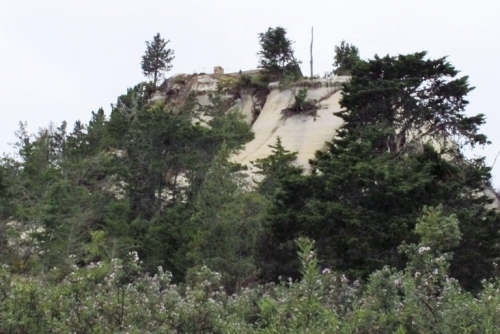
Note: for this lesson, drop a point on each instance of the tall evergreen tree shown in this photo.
(193, 149)
(346, 57)
(159, 147)
(276, 56)
(157, 59)
(274, 168)
(276, 173)
(414, 99)
(227, 224)
(398, 151)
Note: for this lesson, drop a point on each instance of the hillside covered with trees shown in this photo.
(141, 222)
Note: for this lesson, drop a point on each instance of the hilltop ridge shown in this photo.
(263, 110)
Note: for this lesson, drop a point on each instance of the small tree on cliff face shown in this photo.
(276, 55)
(157, 58)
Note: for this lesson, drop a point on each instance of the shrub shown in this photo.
(116, 296)
(301, 104)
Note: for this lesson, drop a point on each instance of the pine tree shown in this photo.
(346, 57)
(274, 168)
(227, 224)
(398, 151)
(157, 58)
(276, 56)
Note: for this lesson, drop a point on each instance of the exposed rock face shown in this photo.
(301, 133)
(491, 194)
(158, 96)
(304, 134)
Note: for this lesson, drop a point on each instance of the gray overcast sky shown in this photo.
(61, 59)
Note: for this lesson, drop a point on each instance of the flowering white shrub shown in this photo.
(117, 297)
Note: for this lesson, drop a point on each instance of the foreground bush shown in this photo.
(117, 297)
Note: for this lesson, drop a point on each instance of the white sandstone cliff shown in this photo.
(304, 134)
(301, 133)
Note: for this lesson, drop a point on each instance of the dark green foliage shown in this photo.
(274, 168)
(113, 186)
(56, 201)
(227, 224)
(167, 160)
(413, 99)
(159, 153)
(226, 126)
(368, 188)
(8, 175)
(6, 180)
(346, 58)
(276, 56)
(301, 104)
(168, 241)
(157, 58)
(275, 173)
(113, 296)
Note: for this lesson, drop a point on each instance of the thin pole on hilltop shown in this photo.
(312, 37)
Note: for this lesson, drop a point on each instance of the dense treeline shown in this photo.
(139, 181)
(394, 208)
(400, 149)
